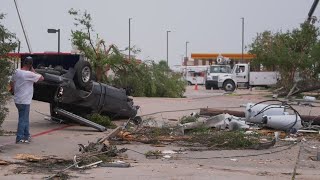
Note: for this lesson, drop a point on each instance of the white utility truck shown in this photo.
(194, 74)
(222, 68)
(240, 76)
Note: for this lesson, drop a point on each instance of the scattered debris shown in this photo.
(264, 145)
(169, 152)
(290, 139)
(29, 157)
(188, 119)
(315, 120)
(221, 122)
(156, 154)
(85, 166)
(211, 132)
(119, 164)
(2, 162)
(308, 131)
(94, 154)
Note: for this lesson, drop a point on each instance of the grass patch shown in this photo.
(102, 120)
(153, 153)
(226, 139)
(188, 119)
(202, 130)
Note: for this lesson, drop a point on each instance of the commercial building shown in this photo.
(202, 59)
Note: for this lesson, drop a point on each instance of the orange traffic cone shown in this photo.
(196, 87)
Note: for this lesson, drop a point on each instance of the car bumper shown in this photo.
(213, 84)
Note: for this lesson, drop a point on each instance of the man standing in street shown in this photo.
(22, 84)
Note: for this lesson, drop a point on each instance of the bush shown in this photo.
(188, 119)
(150, 79)
(6, 46)
(102, 120)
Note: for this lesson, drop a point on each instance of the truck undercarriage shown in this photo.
(73, 95)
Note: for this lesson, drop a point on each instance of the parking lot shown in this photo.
(61, 140)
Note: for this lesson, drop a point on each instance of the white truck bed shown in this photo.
(263, 78)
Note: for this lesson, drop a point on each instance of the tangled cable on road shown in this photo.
(289, 146)
(281, 104)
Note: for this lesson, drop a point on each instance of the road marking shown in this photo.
(40, 134)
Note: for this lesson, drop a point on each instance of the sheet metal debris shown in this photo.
(221, 122)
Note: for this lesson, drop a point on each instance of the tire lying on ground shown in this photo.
(83, 74)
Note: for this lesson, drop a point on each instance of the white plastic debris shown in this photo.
(309, 98)
(255, 112)
(221, 121)
(290, 139)
(235, 125)
(283, 122)
(168, 152)
(248, 132)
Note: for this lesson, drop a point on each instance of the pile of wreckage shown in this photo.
(279, 116)
(243, 128)
(271, 117)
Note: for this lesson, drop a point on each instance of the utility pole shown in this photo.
(242, 36)
(311, 11)
(168, 48)
(56, 31)
(23, 29)
(187, 49)
(130, 39)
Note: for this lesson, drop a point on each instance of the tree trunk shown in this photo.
(99, 73)
(301, 90)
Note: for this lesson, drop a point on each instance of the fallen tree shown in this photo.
(139, 78)
(294, 54)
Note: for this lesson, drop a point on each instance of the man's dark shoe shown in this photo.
(20, 141)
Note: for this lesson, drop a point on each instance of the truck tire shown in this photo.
(229, 86)
(83, 73)
(208, 87)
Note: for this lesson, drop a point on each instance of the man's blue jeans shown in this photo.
(23, 124)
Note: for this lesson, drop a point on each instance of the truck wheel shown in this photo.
(55, 117)
(229, 86)
(83, 73)
(189, 83)
(208, 87)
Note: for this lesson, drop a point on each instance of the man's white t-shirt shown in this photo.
(23, 85)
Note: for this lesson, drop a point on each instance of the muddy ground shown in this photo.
(61, 141)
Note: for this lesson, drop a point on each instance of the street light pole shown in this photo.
(130, 38)
(242, 36)
(187, 49)
(58, 41)
(56, 31)
(168, 48)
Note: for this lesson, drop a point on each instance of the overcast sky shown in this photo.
(211, 26)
